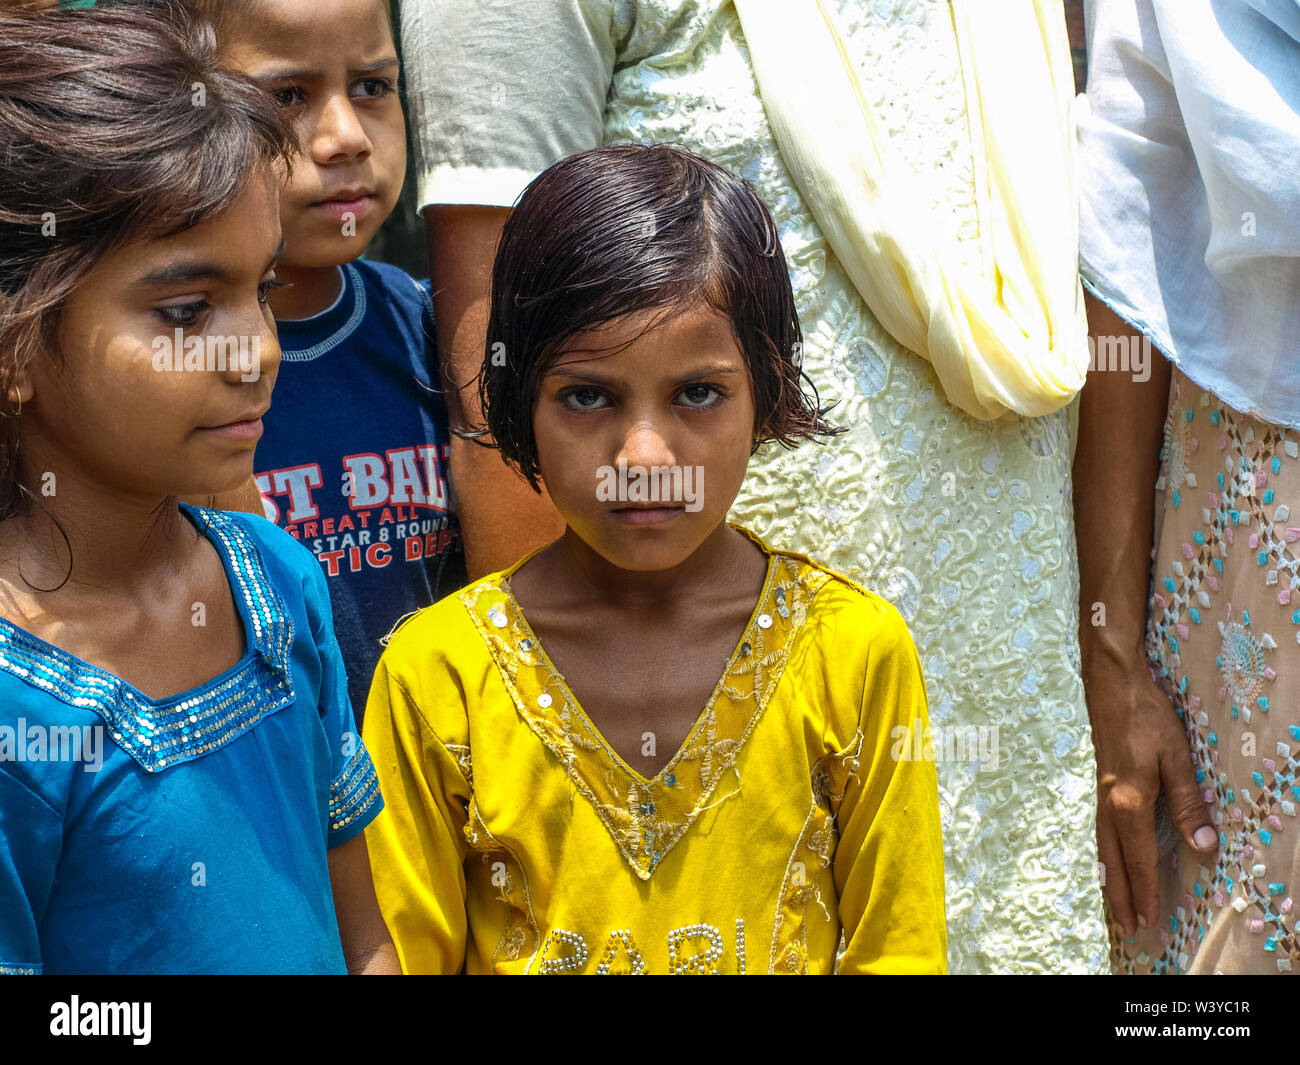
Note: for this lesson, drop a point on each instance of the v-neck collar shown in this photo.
(161, 733)
(646, 817)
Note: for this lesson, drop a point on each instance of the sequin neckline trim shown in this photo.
(646, 818)
(160, 734)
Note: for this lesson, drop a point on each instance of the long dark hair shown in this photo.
(115, 123)
(626, 229)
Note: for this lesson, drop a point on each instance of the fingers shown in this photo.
(1116, 879)
(1136, 827)
(1187, 803)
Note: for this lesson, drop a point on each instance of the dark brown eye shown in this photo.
(584, 399)
(290, 96)
(183, 315)
(700, 395)
(265, 289)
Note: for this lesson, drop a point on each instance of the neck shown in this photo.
(312, 289)
(116, 542)
(719, 561)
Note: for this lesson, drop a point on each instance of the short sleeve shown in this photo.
(499, 90)
(30, 842)
(355, 798)
(417, 845)
(889, 860)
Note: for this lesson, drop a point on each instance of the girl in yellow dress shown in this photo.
(657, 744)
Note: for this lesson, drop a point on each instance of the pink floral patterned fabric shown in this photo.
(1224, 634)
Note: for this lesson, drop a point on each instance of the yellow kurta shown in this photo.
(801, 806)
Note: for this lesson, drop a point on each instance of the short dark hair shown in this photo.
(624, 230)
(116, 123)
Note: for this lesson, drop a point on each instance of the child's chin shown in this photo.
(322, 250)
(237, 492)
(637, 552)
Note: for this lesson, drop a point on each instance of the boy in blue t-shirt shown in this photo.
(353, 459)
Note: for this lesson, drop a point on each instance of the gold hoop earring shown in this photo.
(19, 393)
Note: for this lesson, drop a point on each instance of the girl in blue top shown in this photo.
(181, 784)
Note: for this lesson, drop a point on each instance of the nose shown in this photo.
(338, 135)
(254, 354)
(647, 442)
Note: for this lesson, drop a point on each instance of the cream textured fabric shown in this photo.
(1009, 335)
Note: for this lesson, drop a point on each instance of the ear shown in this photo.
(21, 390)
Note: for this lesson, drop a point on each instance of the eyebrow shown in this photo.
(305, 74)
(707, 370)
(178, 273)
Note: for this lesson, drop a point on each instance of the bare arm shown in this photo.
(501, 517)
(367, 946)
(1141, 746)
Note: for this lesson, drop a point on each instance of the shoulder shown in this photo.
(36, 782)
(841, 595)
(436, 661)
(840, 605)
(290, 568)
(854, 622)
(444, 633)
(392, 283)
(275, 545)
(850, 646)
(398, 305)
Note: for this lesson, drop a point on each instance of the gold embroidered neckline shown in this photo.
(590, 726)
(646, 817)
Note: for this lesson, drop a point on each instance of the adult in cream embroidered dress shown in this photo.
(963, 522)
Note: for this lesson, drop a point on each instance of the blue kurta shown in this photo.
(187, 835)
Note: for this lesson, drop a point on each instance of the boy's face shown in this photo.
(643, 451)
(333, 65)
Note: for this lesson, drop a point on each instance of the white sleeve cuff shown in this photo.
(487, 186)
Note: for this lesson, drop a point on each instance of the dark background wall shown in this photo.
(400, 239)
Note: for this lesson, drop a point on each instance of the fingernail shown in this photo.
(1205, 838)
(1142, 921)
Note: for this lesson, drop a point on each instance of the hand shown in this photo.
(1142, 750)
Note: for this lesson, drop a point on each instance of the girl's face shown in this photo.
(643, 450)
(333, 66)
(168, 357)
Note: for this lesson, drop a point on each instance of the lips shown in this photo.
(244, 426)
(347, 195)
(345, 210)
(254, 416)
(651, 515)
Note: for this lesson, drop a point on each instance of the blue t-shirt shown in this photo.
(353, 460)
(188, 834)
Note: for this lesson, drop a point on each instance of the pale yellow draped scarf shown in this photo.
(1012, 335)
